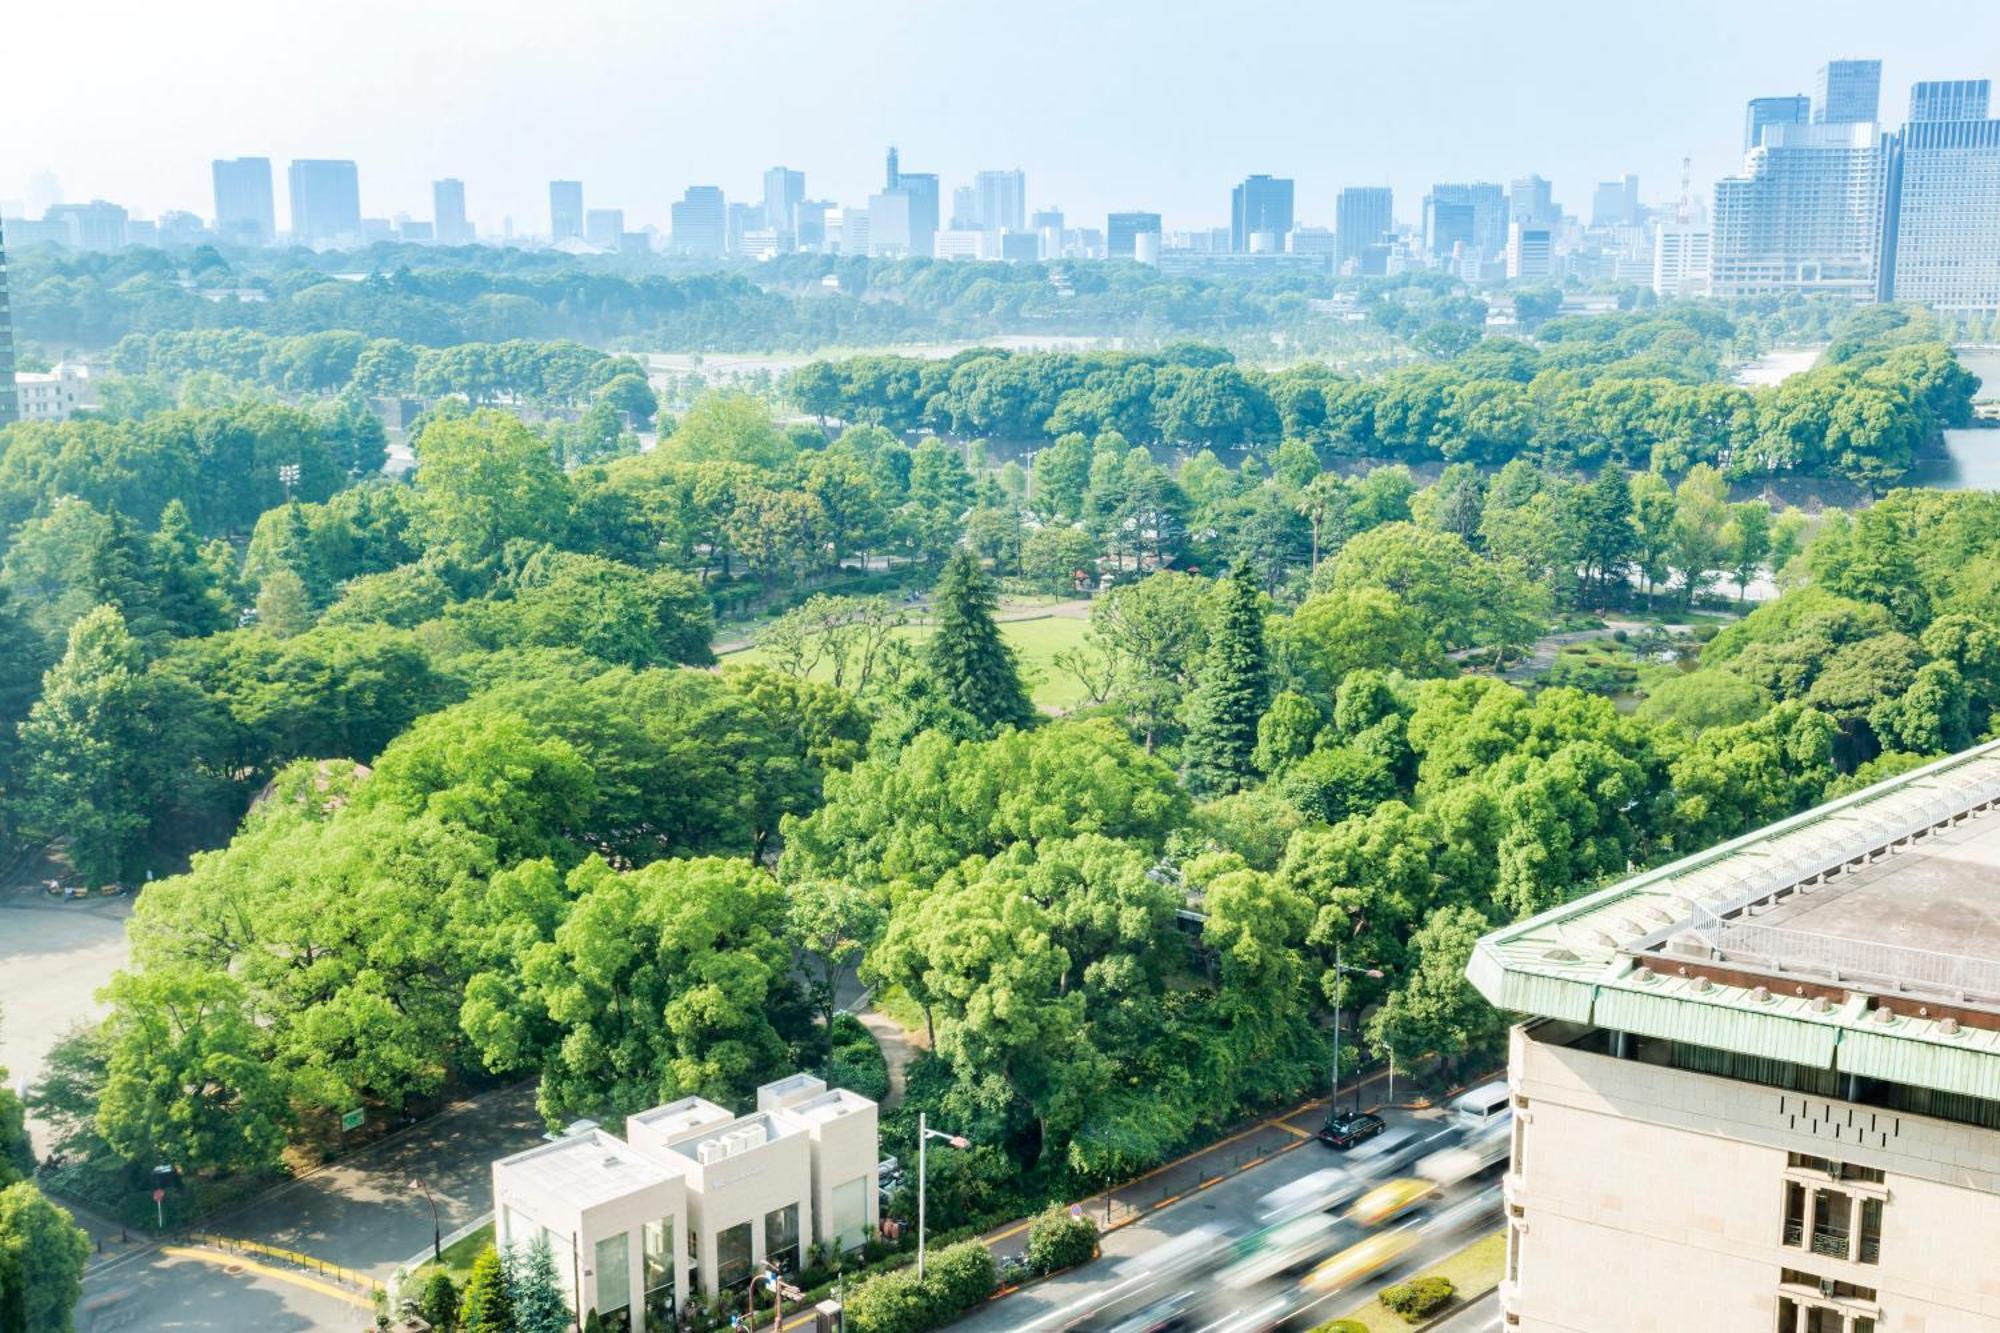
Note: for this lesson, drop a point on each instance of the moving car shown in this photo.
(1366, 1259)
(1344, 1129)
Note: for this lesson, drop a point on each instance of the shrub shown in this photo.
(956, 1279)
(439, 1303)
(962, 1275)
(1342, 1326)
(1058, 1241)
(1420, 1297)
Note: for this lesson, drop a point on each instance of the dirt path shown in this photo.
(898, 1049)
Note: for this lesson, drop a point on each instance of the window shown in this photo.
(614, 1278)
(659, 1268)
(1788, 1315)
(1795, 1213)
(781, 1238)
(1514, 1255)
(1832, 1218)
(1871, 1231)
(847, 1214)
(732, 1255)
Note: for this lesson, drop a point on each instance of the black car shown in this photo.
(1344, 1129)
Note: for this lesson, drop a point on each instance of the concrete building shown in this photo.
(1804, 214)
(604, 227)
(1020, 247)
(1472, 217)
(1795, 109)
(855, 225)
(565, 210)
(1759, 1088)
(1847, 92)
(890, 232)
(244, 213)
(960, 243)
(326, 201)
(8, 407)
(1260, 206)
(809, 223)
(1531, 253)
(1615, 203)
(1363, 215)
(97, 225)
(1311, 241)
(1682, 260)
(784, 191)
(1000, 200)
(1950, 99)
(1531, 199)
(448, 212)
(1122, 229)
(1941, 227)
(700, 221)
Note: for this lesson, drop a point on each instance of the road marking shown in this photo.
(221, 1260)
(1293, 1129)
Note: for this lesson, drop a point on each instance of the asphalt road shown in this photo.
(53, 958)
(1482, 1316)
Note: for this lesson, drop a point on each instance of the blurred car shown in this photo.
(1362, 1260)
(1389, 1201)
(1344, 1129)
(1326, 1188)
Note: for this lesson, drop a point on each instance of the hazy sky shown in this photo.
(1105, 105)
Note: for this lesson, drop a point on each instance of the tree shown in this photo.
(284, 608)
(187, 593)
(439, 1303)
(1434, 1010)
(1057, 1241)
(1608, 540)
(536, 1295)
(1746, 541)
(488, 1306)
(832, 922)
(1696, 547)
(1155, 633)
(972, 665)
(1221, 747)
(42, 1254)
(483, 481)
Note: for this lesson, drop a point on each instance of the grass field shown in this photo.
(1035, 644)
(1474, 1270)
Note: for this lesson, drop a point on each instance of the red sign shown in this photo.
(159, 1195)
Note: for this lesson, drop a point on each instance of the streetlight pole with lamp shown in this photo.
(437, 1228)
(924, 1135)
(1340, 973)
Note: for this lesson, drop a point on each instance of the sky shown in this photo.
(1109, 105)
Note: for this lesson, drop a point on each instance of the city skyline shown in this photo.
(620, 139)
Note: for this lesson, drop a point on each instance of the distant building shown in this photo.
(604, 227)
(9, 406)
(1949, 99)
(1260, 206)
(1020, 247)
(1682, 260)
(326, 201)
(415, 230)
(54, 395)
(1121, 229)
(97, 225)
(855, 226)
(700, 222)
(448, 209)
(742, 219)
(565, 210)
(1847, 92)
(1804, 214)
(1532, 200)
(1530, 252)
(1941, 241)
(1362, 216)
(179, 228)
(960, 243)
(784, 191)
(1473, 216)
(1001, 200)
(244, 213)
(921, 189)
(1793, 109)
(1311, 241)
(809, 221)
(1615, 203)
(889, 228)
(965, 208)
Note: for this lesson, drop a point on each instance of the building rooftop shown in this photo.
(833, 1105)
(727, 1139)
(1862, 936)
(583, 1170)
(677, 1119)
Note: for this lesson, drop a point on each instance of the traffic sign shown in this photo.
(159, 1195)
(354, 1119)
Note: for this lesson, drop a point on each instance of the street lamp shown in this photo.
(1340, 971)
(288, 477)
(924, 1135)
(437, 1229)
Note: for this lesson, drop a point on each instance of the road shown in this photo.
(54, 956)
(1482, 1316)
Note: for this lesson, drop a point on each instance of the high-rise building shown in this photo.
(1474, 216)
(1847, 92)
(965, 208)
(1615, 203)
(1803, 215)
(604, 227)
(565, 210)
(9, 406)
(1002, 199)
(890, 233)
(809, 221)
(784, 190)
(1950, 99)
(1941, 229)
(1759, 1088)
(894, 174)
(1532, 200)
(1681, 259)
(1792, 109)
(1531, 252)
(1362, 216)
(448, 211)
(1260, 207)
(922, 189)
(244, 213)
(700, 221)
(1122, 229)
(742, 219)
(97, 225)
(326, 200)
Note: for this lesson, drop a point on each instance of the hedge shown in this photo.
(1419, 1298)
(1057, 1241)
(956, 1279)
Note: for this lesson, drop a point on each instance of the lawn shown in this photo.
(458, 1257)
(1474, 1270)
(1035, 643)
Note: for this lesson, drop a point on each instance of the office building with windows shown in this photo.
(565, 210)
(604, 228)
(326, 201)
(1758, 1089)
(700, 221)
(97, 225)
(9, 408)
(1121, 232)
(1362, 216)
(1471, 218)
(1682, 259)
(1531, 253)
(1941, 229)
(1847, 92)
(1795, 109)
(1615, 203)
(1804, 215)
(784, 191)
(244, 213)
(448, 212)
(1260, 207)
(1000, 200)
(1950, 99)
(1532, 200)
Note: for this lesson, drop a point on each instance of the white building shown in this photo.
(1804, 214)
(1943, 241)
(1761, 1087)
(1681, 260)
(1531, 252)
(54, 395)
(961, 243)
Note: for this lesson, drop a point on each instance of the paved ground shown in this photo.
(53, 958)
(169, 1292)
(1482, 1316)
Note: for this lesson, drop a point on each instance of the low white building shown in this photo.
(56, 394)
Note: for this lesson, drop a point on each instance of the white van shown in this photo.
(1485, 1108)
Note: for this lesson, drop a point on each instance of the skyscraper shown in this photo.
(604, 227)
(1531, 200)
(1474, 214)
(1803, 215)
(965, 208)
(919, 232)
(1847, 92)
(1362, 216)
(1260, 206)
(243, 209)
(565, 210)
(1949, 99)
(1002, 199)
(326, 200)
(784, 189)
(448, 210)
(700, 221)
(1122, 229)
(895, 171)
(1530, 252)
(1682, 259)
(1615, 203)
(1792, 109)
(1941, 239)
(9, 405)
